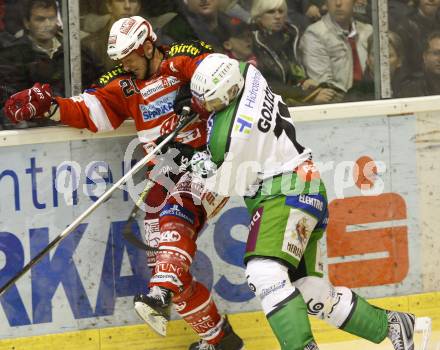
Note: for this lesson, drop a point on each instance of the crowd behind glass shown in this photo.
(311, 51)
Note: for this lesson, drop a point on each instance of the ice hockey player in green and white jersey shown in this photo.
(253, 152)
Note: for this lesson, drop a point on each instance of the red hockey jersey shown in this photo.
(148, 102)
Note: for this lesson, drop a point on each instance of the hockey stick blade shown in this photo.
(423, 325)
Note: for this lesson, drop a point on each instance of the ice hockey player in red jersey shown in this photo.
(148, 86)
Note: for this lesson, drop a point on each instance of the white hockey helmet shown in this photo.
(216, 81)
(127, 35)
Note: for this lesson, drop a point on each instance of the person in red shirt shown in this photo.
(149, 86)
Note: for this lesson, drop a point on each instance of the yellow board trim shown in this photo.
(252, 327)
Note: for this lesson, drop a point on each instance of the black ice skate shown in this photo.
(401, 330)
(311, 346)
(230, 341)
(154, 308)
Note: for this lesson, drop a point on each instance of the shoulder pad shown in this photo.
(106, 78)
(191, 48)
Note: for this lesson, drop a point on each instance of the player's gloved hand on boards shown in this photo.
(30, 103)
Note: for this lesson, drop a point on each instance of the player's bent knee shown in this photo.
(332, 304)
(270, 281)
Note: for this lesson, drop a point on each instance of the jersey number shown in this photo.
(284, 124)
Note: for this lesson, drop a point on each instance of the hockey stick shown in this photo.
(184, 121)
(127, 231)
(423, 325)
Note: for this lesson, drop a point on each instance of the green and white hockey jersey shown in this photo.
(253, 139)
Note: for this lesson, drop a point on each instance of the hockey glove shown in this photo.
(30, 103)
(201, 165)
(183, 99)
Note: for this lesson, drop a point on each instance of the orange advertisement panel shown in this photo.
(373, 241)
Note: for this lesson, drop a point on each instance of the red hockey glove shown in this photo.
(29, 103)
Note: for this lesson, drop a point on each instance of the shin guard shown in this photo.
(290, 323)
(196, 307)
(343, 309)
(366, 321)
(179, 225)
(174, 258)
(282, 303)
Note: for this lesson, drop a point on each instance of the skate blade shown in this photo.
(157, 322)
(423, 325)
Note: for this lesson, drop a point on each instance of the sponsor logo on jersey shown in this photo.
(297, 237)
(184, 49)
(266, 112)
(205, 325)
(255, 219)
(163, 277)
(180, 306)
(107, 77)
(152, 232)
(157, 86)
(314, 202)
(250, 99)
(314, 307)
(243, 124)
(189, 136)
(178, 211)
(191, 49)
(174, 69)
(158, 108)
(170, 236)
(273, 288)
(170, 268)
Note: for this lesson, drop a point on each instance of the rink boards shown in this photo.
(84, 288)
(251, 326)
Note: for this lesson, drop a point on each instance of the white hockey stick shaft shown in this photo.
(424, 325)
(139, 165)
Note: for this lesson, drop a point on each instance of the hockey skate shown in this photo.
(401, 330)
(154, 308)
(230, 341)
(424, 325)
(311, 346)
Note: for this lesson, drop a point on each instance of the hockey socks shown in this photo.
(366, 321)
(196, 307)
(290, 323)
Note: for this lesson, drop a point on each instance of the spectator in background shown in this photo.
(364, 90)
(305, 12)
(2, 15)
(23, 58)
(398, 11)
(202, 19)
(427, 82)
(362, 11)
(96, 43)
(335, 48)
(276, 49)
(38, 54)
(422, 21)
(237, 41)
(233, 8)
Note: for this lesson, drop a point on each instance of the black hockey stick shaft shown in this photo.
(127, 232)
